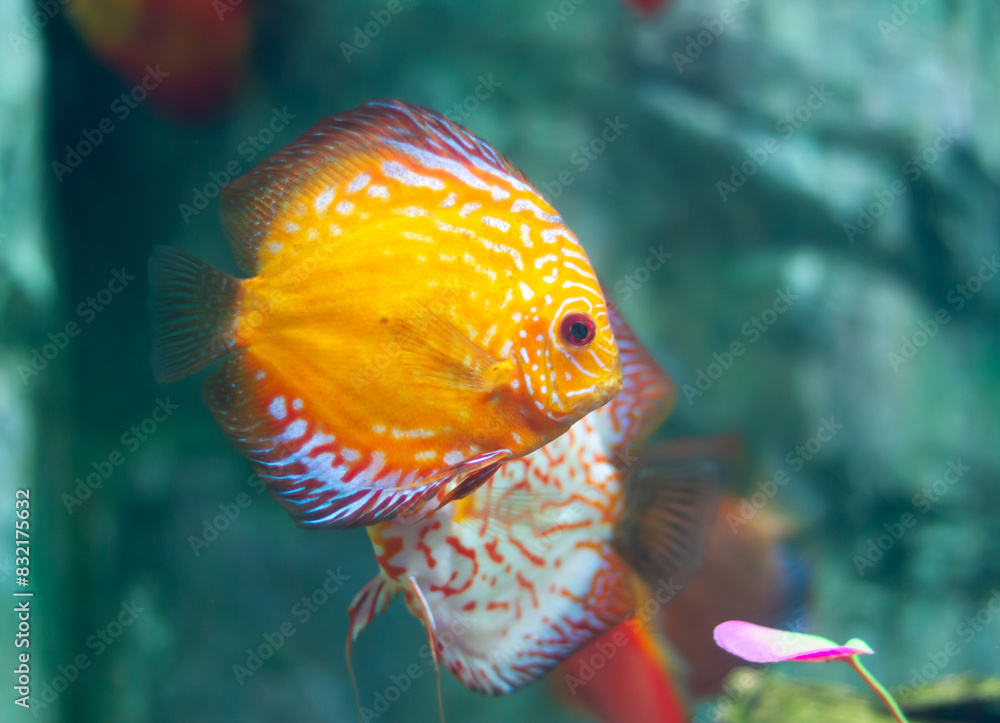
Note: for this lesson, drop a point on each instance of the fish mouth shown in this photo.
(610, 387)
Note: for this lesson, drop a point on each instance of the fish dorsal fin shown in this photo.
(671, 500)
(646, 398)
(338, 148)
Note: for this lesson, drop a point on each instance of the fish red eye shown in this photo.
(577, 329)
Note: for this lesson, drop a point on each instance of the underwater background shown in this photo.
(818, 182)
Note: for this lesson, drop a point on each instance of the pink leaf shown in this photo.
(758, 644)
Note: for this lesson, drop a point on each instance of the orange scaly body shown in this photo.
(417, 315)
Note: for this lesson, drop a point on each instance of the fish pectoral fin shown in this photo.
(670, 507)
(437, 350)
(472, 474)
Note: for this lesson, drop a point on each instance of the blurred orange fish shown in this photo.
(417, 315)
(198, 46)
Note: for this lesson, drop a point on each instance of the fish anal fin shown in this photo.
(671, 500)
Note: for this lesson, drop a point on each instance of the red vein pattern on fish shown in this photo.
(550, 552)
(388, 227)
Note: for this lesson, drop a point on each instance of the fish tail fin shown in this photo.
(194, 307)
(671, 500)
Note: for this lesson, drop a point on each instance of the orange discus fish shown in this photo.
(556, 548)
(417, 315)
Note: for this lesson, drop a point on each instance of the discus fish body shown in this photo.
(416, 315)
(557, 548)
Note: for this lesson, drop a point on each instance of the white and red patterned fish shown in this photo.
(549, 553)
(416, 314)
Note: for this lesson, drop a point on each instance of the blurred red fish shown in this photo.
(200, 47)
(647, 7)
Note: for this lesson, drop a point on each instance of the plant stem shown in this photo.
(884, 695)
